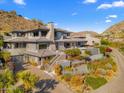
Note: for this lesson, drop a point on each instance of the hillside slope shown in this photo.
(10, 21)
(115, 31)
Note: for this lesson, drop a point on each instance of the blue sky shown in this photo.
(74, 15)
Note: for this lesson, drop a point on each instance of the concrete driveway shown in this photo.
(116, 85)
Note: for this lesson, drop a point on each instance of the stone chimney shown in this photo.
(51, 32)
(51, 36)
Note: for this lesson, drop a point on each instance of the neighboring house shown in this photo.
(40, 44)
(91, 41)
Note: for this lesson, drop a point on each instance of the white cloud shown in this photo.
(104, 6)
(108, 21)
(74, 14)
(118, 4)
(113, 4)
(111, 16)
(89, 1)
(20, 2)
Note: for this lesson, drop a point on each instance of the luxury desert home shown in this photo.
(42, 43)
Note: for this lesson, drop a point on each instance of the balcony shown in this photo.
(16, 51)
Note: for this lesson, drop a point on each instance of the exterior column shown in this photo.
(28, 34)
(71, 45)
(12, 46)
(40, 34)
(75, 45)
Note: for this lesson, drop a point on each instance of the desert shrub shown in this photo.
(88, 52)
(33, 63)
(73, 52)
(121, 49)
(74, 58)
(46, 61)
(116, 44)
(76, 80)
(67, 77)
(58, 69)
(68, 68)
(110, 73)
(102, 49)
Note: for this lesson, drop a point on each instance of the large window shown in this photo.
(36, 34)
(43, 46)
(20, 45)
(67, 45)
(44, 33)
(80, 44)
(58, 35)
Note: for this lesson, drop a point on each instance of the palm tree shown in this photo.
(6, 79)
(27, 79)
(1, 42)
(15, 90)
(6, 55)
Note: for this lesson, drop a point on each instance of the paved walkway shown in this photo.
(116, 85)
(47, 83)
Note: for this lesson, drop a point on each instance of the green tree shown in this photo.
(105, 42)
(28, 80)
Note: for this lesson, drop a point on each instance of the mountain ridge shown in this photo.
(84, 33)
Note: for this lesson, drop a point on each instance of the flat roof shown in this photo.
(41, 53)
(24, 39)
(41, 29)
(72, 40)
